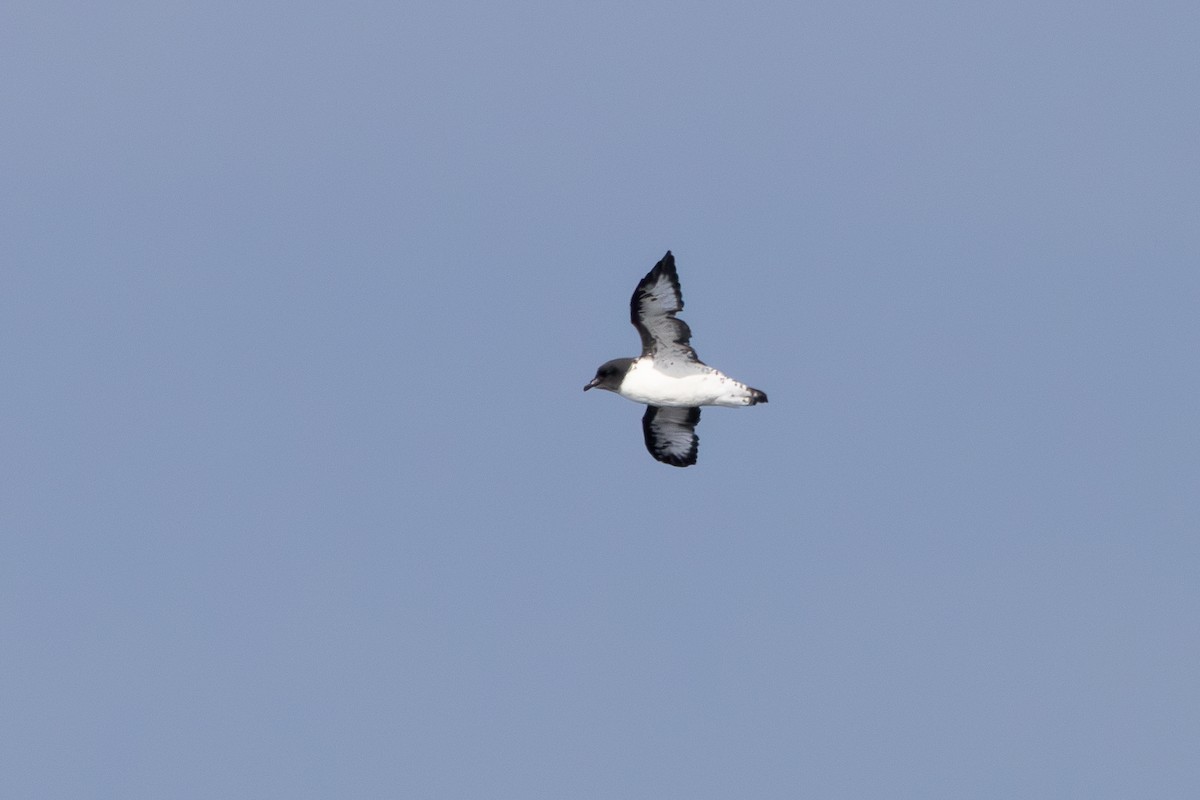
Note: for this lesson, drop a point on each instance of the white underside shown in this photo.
(682, 386)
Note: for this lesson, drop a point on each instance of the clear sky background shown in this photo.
(301, 496)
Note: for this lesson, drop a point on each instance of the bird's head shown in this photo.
(610, 374)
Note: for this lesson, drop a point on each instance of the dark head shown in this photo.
(610, 374)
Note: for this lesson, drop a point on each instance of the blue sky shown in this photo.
(300, 496)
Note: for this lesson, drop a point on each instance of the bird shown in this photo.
(668, 377)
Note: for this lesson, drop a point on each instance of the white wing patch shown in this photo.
(655, 302)
(671, 434)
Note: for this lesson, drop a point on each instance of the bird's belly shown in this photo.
(645, 384)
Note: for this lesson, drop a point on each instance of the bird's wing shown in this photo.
(653, 307)
(671, 434)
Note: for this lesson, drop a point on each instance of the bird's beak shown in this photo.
(594, 382)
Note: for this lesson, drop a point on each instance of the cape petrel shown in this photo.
(668, 377)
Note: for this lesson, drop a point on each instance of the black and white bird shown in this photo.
(668, 377)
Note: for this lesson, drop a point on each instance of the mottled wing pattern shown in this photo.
(671, 434)
(655, 302)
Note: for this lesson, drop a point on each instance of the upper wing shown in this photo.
(671, 434)
(655, 302)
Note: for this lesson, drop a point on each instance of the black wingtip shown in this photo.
(686, 460)
(665, 266)
(678, 463)
(757, 397)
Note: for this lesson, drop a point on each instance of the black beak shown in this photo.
(595, 382)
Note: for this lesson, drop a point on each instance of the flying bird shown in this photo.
(668, 377)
